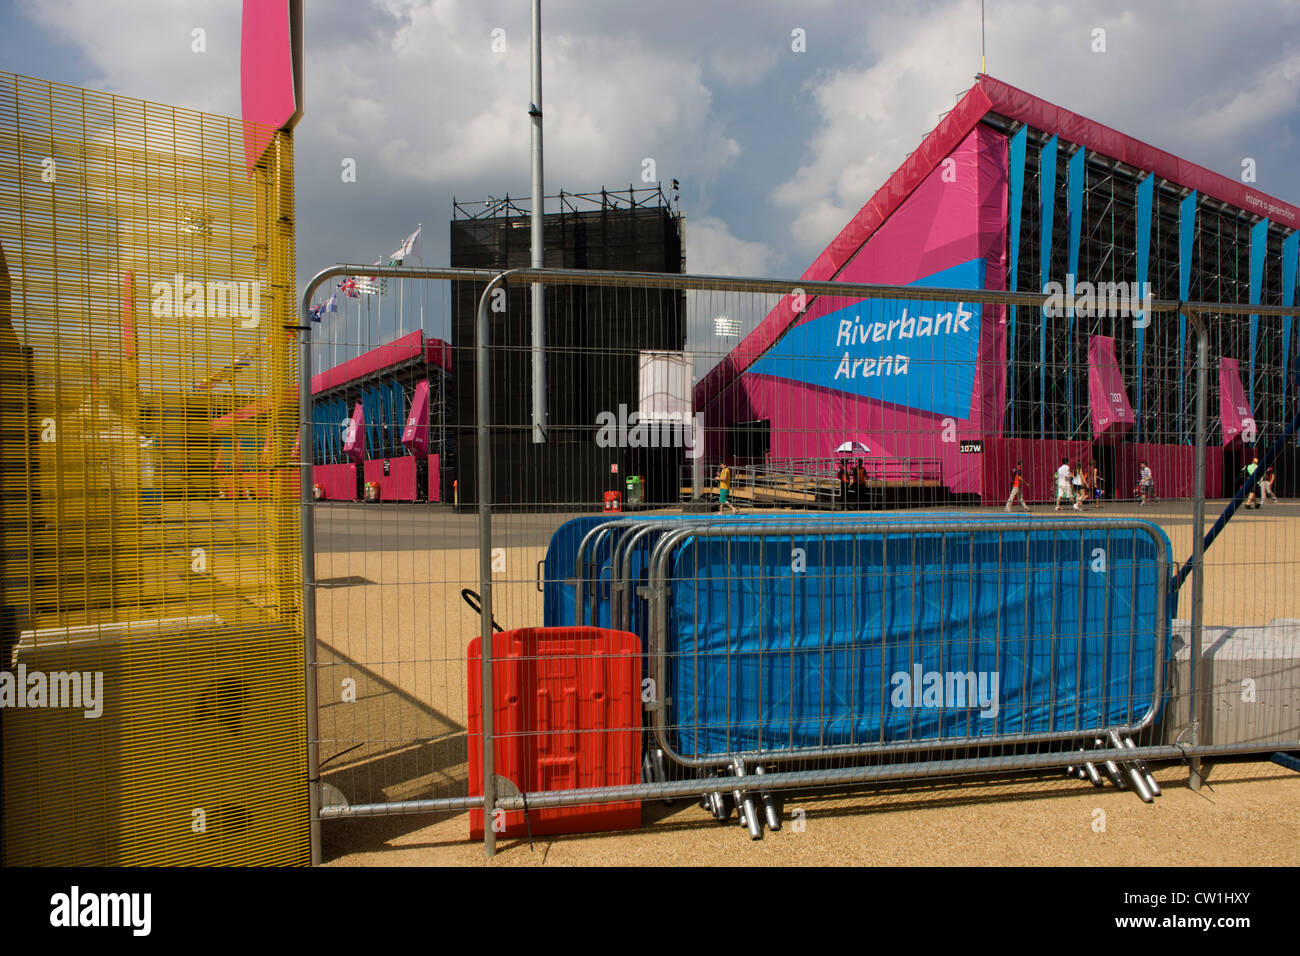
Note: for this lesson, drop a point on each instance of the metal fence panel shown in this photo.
(1101, 647)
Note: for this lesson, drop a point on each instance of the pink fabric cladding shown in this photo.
(1112, 415)
(408, 347)
(338, 482)
(942, 224)
(1235, 415)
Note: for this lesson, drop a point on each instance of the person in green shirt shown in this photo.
(724, 487)
(1250, 472)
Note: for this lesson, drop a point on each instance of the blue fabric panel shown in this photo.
(928, 365)
(558, 570)
(1186, 249)
(1016, 185)
(1074, 204)
(1145, 198)
(1047, 210)
(1258, 250)
(852, 650)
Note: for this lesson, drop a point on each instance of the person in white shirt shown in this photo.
(1077, 481)
(1146, 483)
(1063, 489)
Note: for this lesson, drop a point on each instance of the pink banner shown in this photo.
(1234, 409)
(415, 437)
(354, 442)
(1112, 415)
(266, 67)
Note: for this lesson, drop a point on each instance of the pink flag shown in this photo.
(1234, 409)
(416, 434)
(1112, 415)
(354, 435)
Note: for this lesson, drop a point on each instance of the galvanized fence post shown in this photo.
(483, 406)
(305, 453)
(1197, 704)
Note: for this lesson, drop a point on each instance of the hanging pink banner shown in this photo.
(1234, 409)
(354, 440)
(415, 437)
(1112, 415)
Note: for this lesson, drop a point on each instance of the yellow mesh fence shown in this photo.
(150, 575)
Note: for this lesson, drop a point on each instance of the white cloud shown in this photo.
(713, 250)
(1197, 84)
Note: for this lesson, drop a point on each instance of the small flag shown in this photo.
(349, 288)
(331, 304)
(372, 285)
(314, 312)
(410, 247)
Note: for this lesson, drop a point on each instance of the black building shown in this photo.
(595, 337)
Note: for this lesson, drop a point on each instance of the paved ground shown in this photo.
(393, 632)
(1248, 815)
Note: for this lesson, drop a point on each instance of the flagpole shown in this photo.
(537, 244)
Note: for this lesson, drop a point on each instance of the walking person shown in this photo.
(1063, 489)
(1095, 483)
(1266, 485)
(1146, 488)
(1017, 486)
(724, 488)
(1077, 484)
(1247, 473)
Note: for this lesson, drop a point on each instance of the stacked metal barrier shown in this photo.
(771, 639)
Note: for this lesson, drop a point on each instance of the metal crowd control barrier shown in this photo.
(766, 649)
(1113, 690)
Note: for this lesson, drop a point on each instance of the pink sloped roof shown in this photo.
(988, 95)
(408, 347)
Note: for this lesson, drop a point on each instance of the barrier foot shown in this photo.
(1112, 771)
(1146, 774)
(748, 810)
(771, 806)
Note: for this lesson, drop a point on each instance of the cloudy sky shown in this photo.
(774, 148)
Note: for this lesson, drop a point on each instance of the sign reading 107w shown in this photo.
(918, 354)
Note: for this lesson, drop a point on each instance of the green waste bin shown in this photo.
(634, 494)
